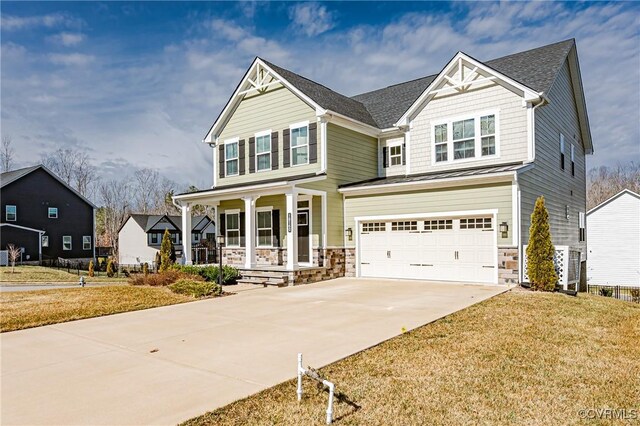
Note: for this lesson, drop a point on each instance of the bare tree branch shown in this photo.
(6, 154)
(115, 197)
(605, 182)
(73, 167)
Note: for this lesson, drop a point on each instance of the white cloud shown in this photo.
(53, 20)
(68, 39)
(71, 59)
(311, 18)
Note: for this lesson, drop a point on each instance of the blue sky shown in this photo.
(139, 83)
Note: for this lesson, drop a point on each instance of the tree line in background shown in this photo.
(605, 182)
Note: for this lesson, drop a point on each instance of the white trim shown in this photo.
(393, 145)
(323, 144)
(268, 153)
(226, 160)
(15, 213)
(457, 60)
(226, 228)
(515, 212)
(411, 186)
(23, 227)
(296, 126)
(264, 209)
(214, 156)
(407, 149)
(309, 209)
(477, 138)
(530, 136)
(607, 201)
(418, 216)
(355, 125)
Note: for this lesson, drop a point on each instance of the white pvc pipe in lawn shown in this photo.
(302, 371)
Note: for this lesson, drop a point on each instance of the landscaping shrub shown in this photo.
(91, 269)
(167, 253)
(635, 295)
(110, 269)
(210, 273)
(606, 291)
(540, 251)
(163, 278)
(195, 289)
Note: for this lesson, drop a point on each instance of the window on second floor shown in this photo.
(11, 213)
(300, 145)
(155, 238)
(52, 212)
(395, 155)
(263, 152)
(561, 151)
(464, 139)
(231, 159)
(581, 225)
(573, 160)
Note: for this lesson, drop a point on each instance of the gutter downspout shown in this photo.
(544, 101)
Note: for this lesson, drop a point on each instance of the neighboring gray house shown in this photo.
(613, 235)
(140, 236)
(431, 179)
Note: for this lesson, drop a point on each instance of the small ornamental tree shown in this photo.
(540, 251)
(110, 269)
(14, 254)
(158, 261)
(166, 249)
(145, 269)
(91, 269)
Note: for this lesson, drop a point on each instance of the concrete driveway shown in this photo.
(165, 365)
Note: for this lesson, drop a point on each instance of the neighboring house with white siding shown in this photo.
(431, 179)
(140, 236)
(613, 238)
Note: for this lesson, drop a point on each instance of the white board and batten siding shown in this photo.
(613, 238)
(132, 245)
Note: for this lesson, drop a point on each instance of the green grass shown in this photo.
(521, 358)
(40, 274)
(25, 309)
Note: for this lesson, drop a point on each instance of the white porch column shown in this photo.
(249, 231)
(186, 234)
(292, 230)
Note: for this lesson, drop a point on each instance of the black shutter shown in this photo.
(241, 156)
(275, 225)
(286, 147)
(274, 151)
(385, 158)
(404, 154)
(313, 143)
(221, 159)
(252, 155)
(242, 239)
(222, 229)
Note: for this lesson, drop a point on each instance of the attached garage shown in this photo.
(443, 248)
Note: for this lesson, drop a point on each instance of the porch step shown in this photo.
(274, 278)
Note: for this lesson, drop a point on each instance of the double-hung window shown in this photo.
(395, 155)
(45, 241)
(86, 242)
(231, 160)
(155, 238)
(263, 151)
(52, 212)
(11, 213)
(464, 145)
(441, 142)
(66, 242)
(300, 145)
(232, 221)
(265, 228)
(488, 134)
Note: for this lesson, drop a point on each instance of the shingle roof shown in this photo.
(7, 177)
(432, 176)
(147, 221)
(536, 68)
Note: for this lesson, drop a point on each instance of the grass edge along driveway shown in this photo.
(519, 358)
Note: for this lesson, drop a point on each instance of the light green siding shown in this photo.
(558, 186)
(273, 110)
(352, 157)
(481, 197)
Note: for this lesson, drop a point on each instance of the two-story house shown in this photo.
(140, 237)
(431, 179)
(44, 216)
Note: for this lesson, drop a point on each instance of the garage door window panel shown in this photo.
(409, 225)
(438, 224)
(374, 227)
(476, 223)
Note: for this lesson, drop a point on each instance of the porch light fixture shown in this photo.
(504, 229)
(349, 233)
(220, 240)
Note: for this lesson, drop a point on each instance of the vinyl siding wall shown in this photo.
(390, 170)
(132, 245)
(558, 186)
(481, 197)
(614, 243)
(511, 120)
(352, 157)
(276, 109)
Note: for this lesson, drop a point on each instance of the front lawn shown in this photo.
(519, 358)
(40, 274)
(25, 309)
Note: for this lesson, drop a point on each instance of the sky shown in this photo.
(138, 84)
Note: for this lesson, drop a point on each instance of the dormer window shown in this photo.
(395, 155)
(465, 138)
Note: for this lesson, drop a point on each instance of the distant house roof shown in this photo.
(7, 178)
(148, 221)
(615, 197)
(536, 68)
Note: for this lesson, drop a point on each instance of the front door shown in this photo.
(303, 236)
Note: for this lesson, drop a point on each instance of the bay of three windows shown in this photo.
(299, 150)
(465, 139)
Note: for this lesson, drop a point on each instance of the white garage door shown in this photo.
(444, 249)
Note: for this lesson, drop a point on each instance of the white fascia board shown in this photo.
(440, 183)
(235, 98)
(426, 215)
(529, 94)
(351, 124)
(23, 227)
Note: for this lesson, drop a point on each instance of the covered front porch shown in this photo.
(278, 226)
